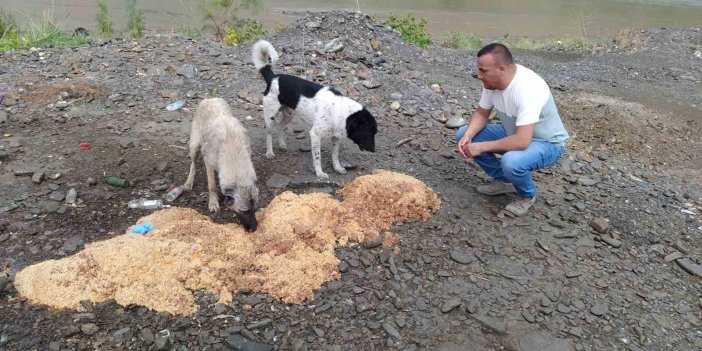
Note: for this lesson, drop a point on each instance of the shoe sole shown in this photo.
(497, 193)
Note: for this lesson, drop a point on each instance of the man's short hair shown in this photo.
(499, 52)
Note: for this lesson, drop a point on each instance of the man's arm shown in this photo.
(478, 120)
(520, 140)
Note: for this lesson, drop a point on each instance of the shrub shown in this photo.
(412, 31)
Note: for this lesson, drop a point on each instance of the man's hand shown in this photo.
(474, 149)
(465, 140)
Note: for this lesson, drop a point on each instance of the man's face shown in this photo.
(489, 72)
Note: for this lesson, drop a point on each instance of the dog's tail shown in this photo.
(264, 56)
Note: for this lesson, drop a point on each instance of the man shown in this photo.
(531, 135)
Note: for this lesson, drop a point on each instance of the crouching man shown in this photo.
(530, 135)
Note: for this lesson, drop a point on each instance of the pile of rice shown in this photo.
(289, 257)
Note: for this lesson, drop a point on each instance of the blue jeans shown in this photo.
(515, 166)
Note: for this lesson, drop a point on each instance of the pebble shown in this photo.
(462, 257)
(450, 305)
(38, 177)
(240, 343)
(690, 267)
(89, 328)
(455, 122)
(600, 224)
(599, 309)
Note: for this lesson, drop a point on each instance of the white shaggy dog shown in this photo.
(226, 149)
(330, 114)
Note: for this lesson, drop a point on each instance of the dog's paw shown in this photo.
(214, 206)
(340, 170)
(322, 175)
(270, 154)
(187, 187)
(283, 146)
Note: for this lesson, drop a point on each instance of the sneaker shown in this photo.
(496, 188)
(520, 206)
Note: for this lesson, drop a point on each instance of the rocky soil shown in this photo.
(608, 259)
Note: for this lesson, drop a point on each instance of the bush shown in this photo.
(412, 31)
(135, 19)
(223, 15)
(104, 25)
(466, 41)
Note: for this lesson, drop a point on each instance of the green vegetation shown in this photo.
(466, 41)
(104, 25)
(225, 23)
(412, 31)
(43, 32)
(135, 19)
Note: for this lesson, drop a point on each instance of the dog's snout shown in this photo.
(248, 220)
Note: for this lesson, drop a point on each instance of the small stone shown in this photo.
(371, 84)
(335, 45)
(538, 341)
(494, 324)
(391, 330)
(162, 342)
(126, 143)
(71, 196)
(240, 343)
(188, 70)
(38, 177)
(611, 241)
(599, 309)
(600, 224)
(89, 328)
(277, 181)
(122, 335)
(450, 305)
(162, 166)
(395, 105)
(4, 282)
(91, 181)
(73, 243)
(455, 122)
(462, 257)
(57, 195)
(375, 44)
(572, 274)
(54, 175)
(436, 88)
(147, 335)
(23, 172)
(673, 256)
(3, 117)
(690, 266)
(563, 308)
(47, 207)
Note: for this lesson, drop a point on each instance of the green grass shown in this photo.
(135, 19)
(465, 41)
(413, 31)
(104, 25)
(39, 32)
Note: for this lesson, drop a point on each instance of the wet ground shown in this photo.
(607, 259)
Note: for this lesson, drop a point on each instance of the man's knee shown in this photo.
(511, 162)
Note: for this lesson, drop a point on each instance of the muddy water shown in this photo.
(495, 18)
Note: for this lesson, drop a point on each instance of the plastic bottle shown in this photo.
(115, 181)
(173, 194)
(175, 105)
(146, 204)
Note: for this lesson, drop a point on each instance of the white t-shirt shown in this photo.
(527, 100)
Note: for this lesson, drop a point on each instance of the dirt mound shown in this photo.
(76, 91)
(289, 257)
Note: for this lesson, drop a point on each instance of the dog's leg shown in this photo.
(191, 176)
(194, 147)
(269, 112)
(288, 114)
(335, 156)
(212, 188)
(317, 154)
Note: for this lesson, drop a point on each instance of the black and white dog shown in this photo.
(329, 113)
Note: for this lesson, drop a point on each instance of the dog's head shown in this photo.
(361, 129)
(243, 200)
